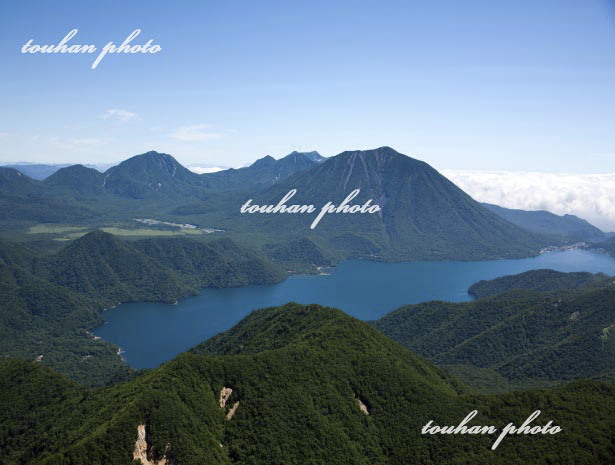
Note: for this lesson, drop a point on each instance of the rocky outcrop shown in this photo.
(362, 406)
(142, 453)
(232, 411)
(225, 394)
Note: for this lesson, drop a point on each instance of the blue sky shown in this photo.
(477, 85)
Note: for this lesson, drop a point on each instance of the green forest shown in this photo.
(300, 376)
(538, 328)
(52, 302)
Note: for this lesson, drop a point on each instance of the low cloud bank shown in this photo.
(205, 169)
(589, 196)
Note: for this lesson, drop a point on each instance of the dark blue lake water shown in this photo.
(152, 333)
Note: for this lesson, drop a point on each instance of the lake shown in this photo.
(152, 333)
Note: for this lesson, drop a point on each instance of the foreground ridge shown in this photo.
(297, 372)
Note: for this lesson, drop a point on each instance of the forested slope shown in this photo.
(52, 302)
(525, 336)
(304, 384)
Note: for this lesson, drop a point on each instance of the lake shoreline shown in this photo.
(364, 289)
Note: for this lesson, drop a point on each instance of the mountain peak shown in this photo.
(14, 182)
(152, 155)
(96, 236)
(313, 156)
(267, 160)
(11, 173)
(76, 169)
(152, 173)
(374, 162)
(155, 154)
(77, 179)
(383, 151)
(261, 174)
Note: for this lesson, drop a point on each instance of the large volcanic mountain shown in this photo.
(424, 215)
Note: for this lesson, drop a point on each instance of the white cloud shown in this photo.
(205, 169)
(589, 196)
(117, 114)
(194, 133)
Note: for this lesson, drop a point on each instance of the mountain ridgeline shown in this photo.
(36, 171)
(537, 280)
(607, 246)
(152, 183)
(262, 173)
(294, 384)
(154, 174)
(104, 267)
(424, 216)
(566, 227)
(538, 328)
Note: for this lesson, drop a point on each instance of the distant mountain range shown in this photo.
(263, 173)
(40, 171)
(567, 227)
(23, 199)
(154, 174)
(424, 215)
(15, 183)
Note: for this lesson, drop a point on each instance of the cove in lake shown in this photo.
(153, 333)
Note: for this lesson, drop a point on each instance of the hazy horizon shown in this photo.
(588, 196)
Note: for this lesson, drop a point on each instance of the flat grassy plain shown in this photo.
(52, 228)
(70, 232)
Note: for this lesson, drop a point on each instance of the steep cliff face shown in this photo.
(143, 450)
